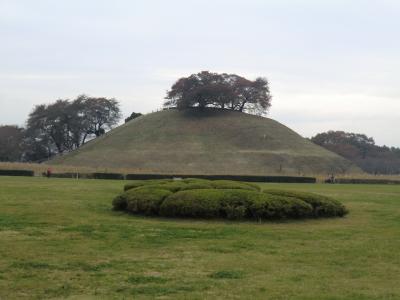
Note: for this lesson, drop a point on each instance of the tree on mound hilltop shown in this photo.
(229, 91)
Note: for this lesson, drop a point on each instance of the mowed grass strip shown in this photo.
(59, 238)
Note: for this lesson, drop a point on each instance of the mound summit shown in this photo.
(209, 141)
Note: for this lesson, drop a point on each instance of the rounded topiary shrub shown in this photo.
(119, 202)
(279, 207)
(230, 184)
(139, 183)
(323, 206)
(142, 200)
(191, 184)
(201, 203)
(200, 198)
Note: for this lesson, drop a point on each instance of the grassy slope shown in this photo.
(214, 141)
(59, 238)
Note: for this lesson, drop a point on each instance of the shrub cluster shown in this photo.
(192, 184)
(322, 206)
(200, 198)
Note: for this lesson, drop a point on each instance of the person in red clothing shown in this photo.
(48, 173)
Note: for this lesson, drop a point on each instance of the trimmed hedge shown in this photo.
(29, 173)
(365, 181)
(108, 176)
(63, 175)
(249, 178)
(147, 176)
(86, 175)
(74, 175)
(199, 198)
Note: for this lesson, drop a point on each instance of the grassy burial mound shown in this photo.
(210, 141)
(199, 198)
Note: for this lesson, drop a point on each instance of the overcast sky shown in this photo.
(331, 64)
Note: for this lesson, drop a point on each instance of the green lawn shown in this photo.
(59, 238)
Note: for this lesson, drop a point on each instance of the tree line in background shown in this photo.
(228, 91)
(58, 127)
(361, 150)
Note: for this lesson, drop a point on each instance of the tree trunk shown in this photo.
(84, 139)
(242, 105)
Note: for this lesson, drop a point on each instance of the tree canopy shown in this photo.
(362, 150)
(65, 125)
(230, 91)
(11, 142)
(133, 115)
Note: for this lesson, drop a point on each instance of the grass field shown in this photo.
(59, 238)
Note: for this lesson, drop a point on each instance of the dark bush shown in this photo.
(120, 202)
(322, 206)
(108, 176)
(17, 173)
